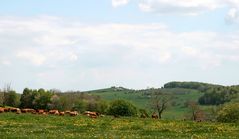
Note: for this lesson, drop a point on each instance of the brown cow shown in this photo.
(1, 110)
(40, 111)
(14, 109)
(67, 112)
(62, 113)
(55, 112)
(155, 116)
(73, 113)
(6, 109)
(52, 111)
(18, 111)
(91, 114)
(27, 110)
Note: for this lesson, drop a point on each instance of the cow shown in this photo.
(14, 109)
(52, 111)
(91, 114)
(1, 110)
(62, 113)
(155, 116)
(73, 113)
(55, 112)
(18, 111)
(6, 109)
(28, 110)
(34, 112)
(67, 112)
(40, 111)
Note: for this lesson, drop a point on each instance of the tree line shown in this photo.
(52, 99)
(62, 101)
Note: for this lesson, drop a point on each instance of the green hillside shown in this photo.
(142, 98)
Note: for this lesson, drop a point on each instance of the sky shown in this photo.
(85, 45)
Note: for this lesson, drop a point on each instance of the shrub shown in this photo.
(229, 113)
(122, 108)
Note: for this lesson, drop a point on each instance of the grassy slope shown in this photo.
(177, 111)
(38, 126)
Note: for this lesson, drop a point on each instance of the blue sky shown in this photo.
(83, 45)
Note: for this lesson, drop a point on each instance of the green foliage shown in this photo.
(11, 99)
(214, 94)
(37, 99)
(99, 106)
(42, 99)
(55, 103)
(122, 108)
(27, 98)
(143, 113)
(80, 106)
(217, 96)
(1, 98)
(191, 85)
(102, 107)
(229, 113)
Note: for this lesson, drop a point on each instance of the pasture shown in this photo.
(141, 99)
(50, 126)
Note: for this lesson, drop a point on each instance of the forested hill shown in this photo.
(200, 86)
(195, 85)
(213, 94)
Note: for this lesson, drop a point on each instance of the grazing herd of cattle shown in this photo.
(60, 113)
(46, 112)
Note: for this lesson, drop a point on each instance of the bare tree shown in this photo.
(196, 113)
(6, 90)
(160, 102)
(1, 97)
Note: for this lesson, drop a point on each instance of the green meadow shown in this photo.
(39, 126)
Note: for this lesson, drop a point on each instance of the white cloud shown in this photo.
(83, 52)
(34, 57)
(117, 3)
(72, 42)
(186, 7)
(183, 7)
(6, 62)
(233, 15)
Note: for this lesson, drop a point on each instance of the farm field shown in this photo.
(40, 126)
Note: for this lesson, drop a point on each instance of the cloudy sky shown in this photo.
(90, 44)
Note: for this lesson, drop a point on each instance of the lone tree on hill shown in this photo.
(160, 102)
(196, 113)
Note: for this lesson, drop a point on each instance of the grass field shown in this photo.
(142, 100)
(39, 126)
